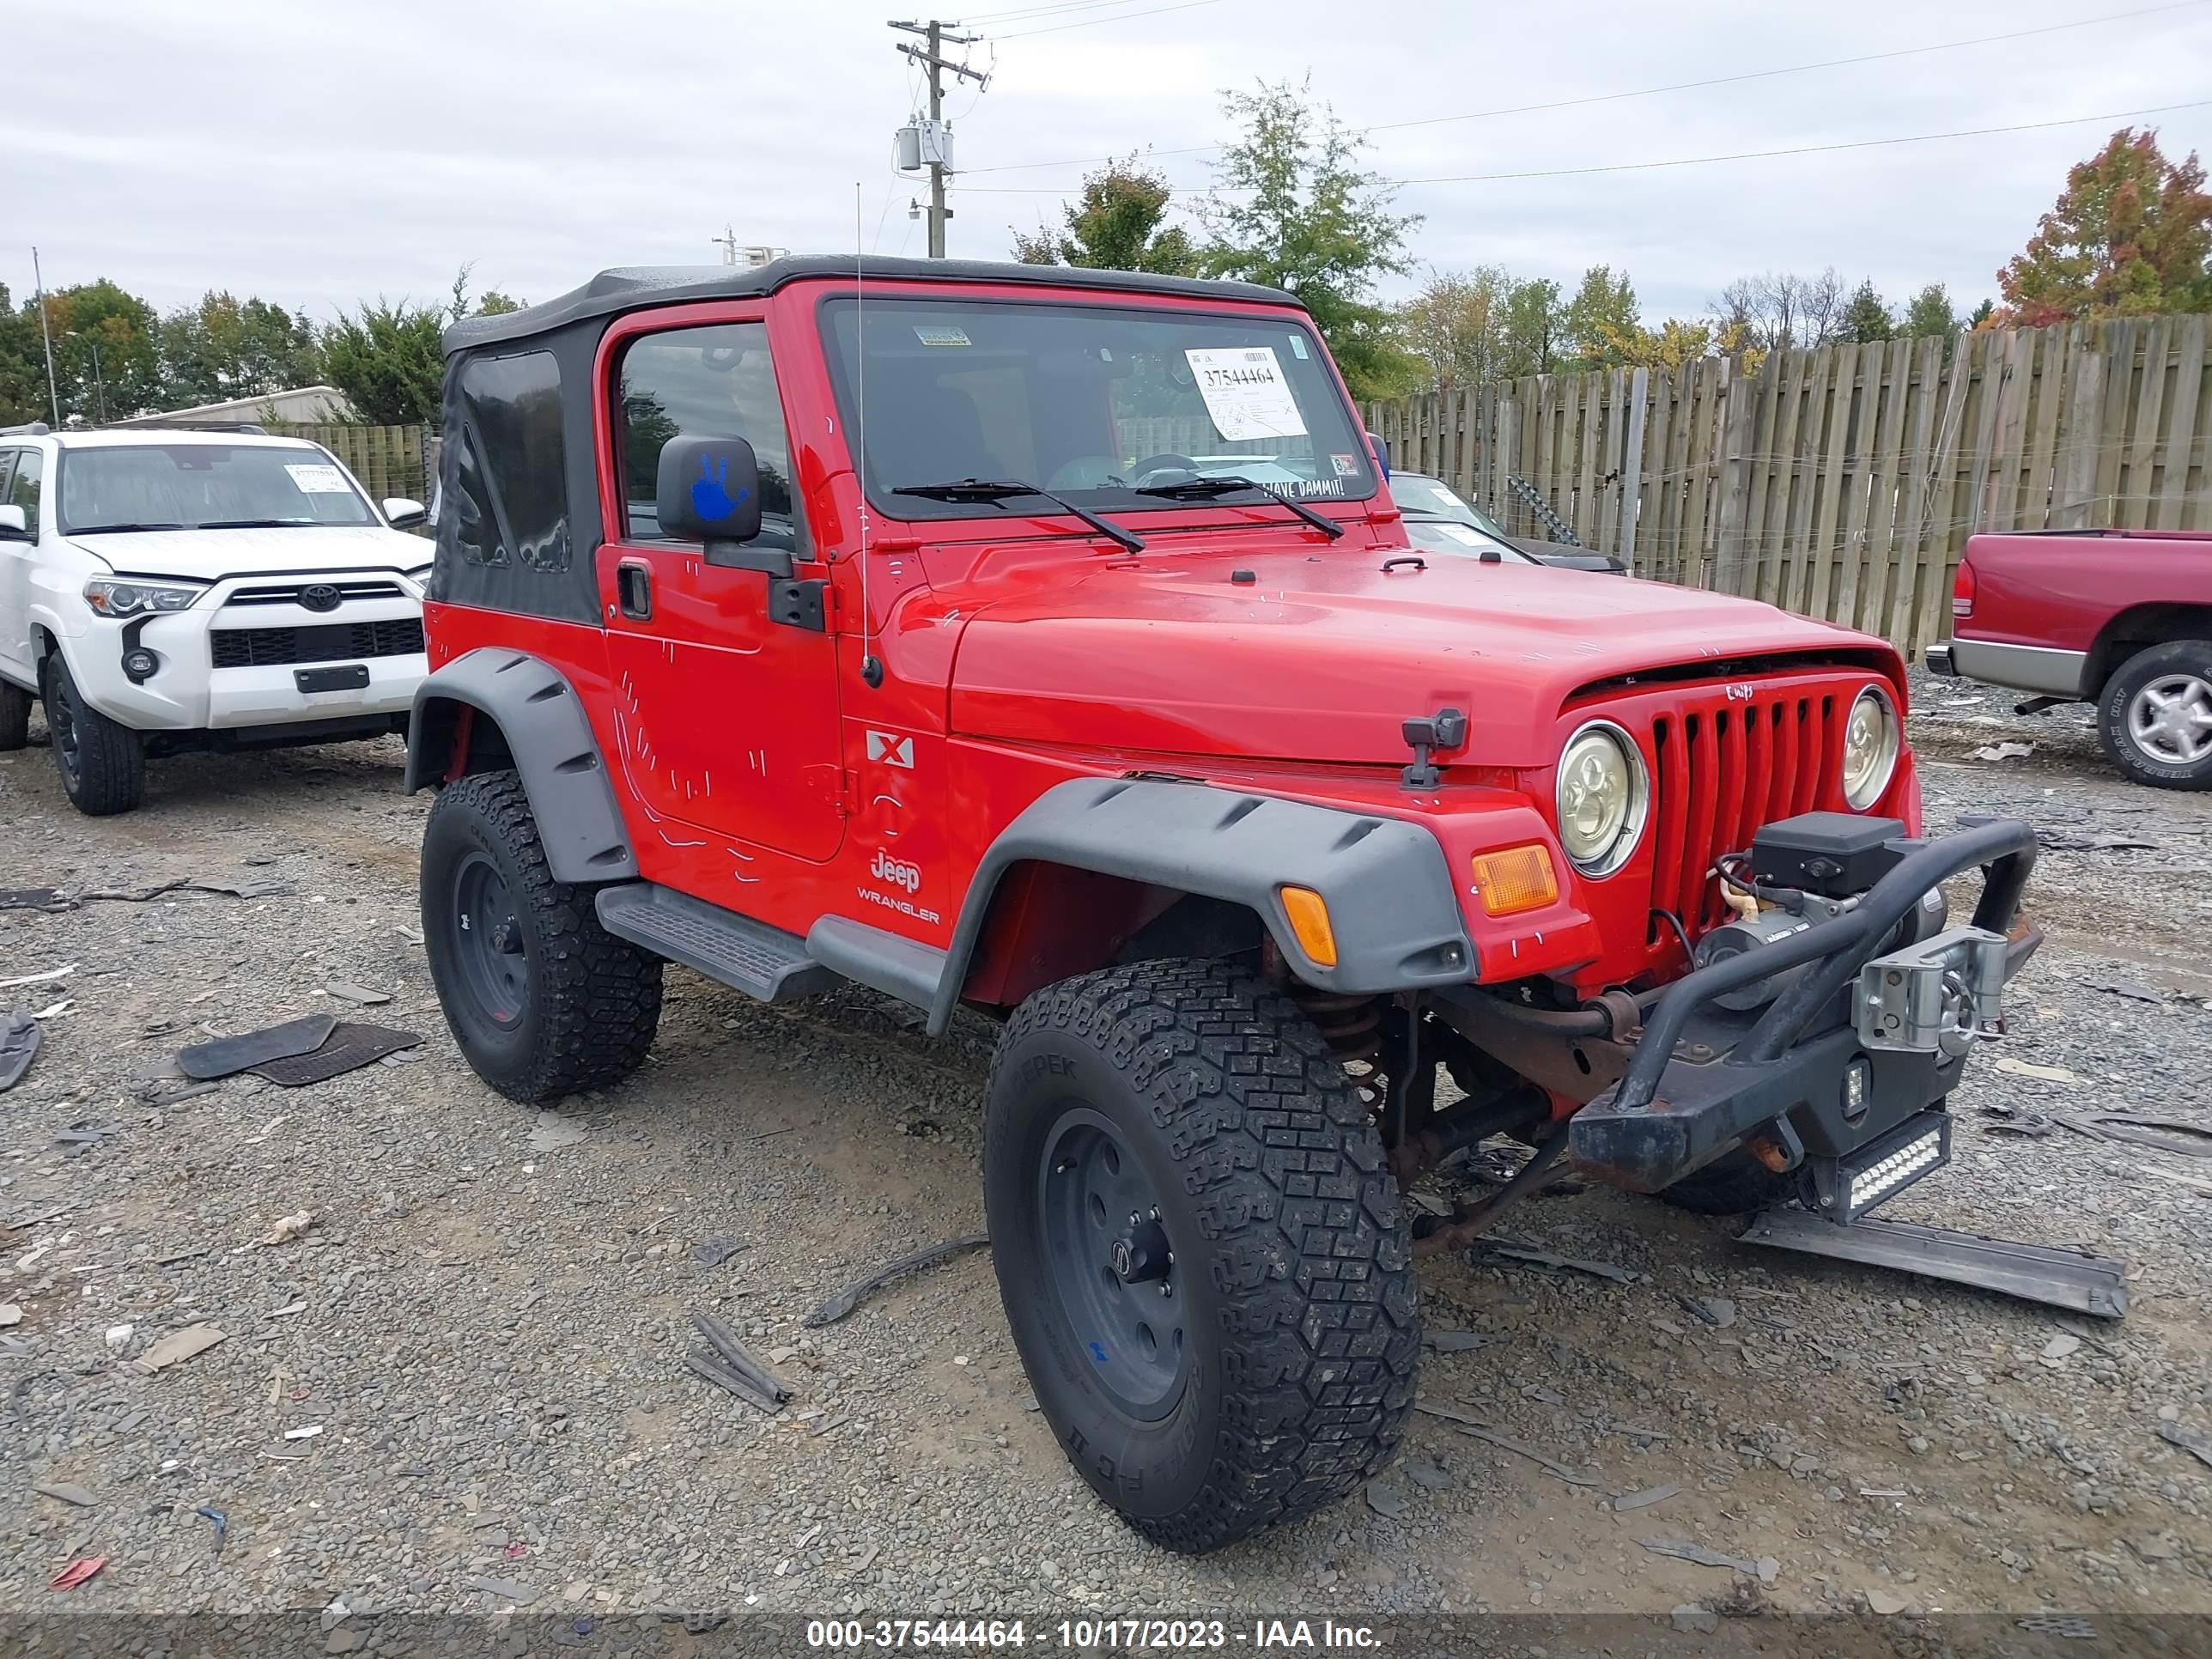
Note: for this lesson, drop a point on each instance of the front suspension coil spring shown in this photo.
(1351, 1026)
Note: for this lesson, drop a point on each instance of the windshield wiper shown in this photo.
(999, 491)
(257, 524)
(1228, 483)
(102, 529)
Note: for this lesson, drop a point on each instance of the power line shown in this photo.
(1676, 85)
(1695, 161)
(1022, 14)
(1126, 16)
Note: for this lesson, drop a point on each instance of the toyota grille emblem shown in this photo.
(319, 596)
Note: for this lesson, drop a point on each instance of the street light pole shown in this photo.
(39, 286)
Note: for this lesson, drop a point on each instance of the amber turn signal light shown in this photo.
(1309, 922)
(1519, 878)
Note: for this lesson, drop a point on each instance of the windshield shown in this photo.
(1416, 492)
(1089, 402)
(199, 486)
(1450, 536)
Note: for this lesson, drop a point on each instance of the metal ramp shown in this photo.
(2061, 1278)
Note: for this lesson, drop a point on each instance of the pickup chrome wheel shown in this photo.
(542, 1000)
(2155, 717)
(1199, 1248)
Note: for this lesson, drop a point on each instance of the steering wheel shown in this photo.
(1163, 462)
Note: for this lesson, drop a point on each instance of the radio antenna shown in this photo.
(872, 667)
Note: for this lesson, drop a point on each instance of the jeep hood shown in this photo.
(1323, 659)
(207, 555)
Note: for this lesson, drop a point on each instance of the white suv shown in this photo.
(167, 590)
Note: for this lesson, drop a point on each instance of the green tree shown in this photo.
(389, 361)
(1456, 326)
(105, 361)
(1117, 224)
(1293, 209)
(2130, 236)
(1602, 325)
(1866, 317)
(22, 365)
(1931, 313)
(1535, 329)
(223, 349)
(496, 304)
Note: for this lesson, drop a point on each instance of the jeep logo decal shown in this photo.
(897, 871)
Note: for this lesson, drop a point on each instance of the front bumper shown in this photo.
(1820, 1081)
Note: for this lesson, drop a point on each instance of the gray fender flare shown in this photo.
(554, 751)
(1390, 898)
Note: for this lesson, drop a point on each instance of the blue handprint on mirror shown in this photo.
(710, 498)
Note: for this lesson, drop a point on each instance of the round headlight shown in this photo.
(1603, 794)
(1870, 745)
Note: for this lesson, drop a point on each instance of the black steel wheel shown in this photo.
(102, 762)
(542, 999)
(494, 966)
(1199, 1248)
(1111, 1262)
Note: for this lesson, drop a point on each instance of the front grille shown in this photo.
(265, 648)
(1723, 772)
(289, 592)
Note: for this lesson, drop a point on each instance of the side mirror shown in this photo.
(1382, 455)
(708, 490)
(402, 515)
(13, 523)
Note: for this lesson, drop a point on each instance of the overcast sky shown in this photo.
(317, 155)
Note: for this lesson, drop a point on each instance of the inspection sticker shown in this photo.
(318, 478)
(941, 334)
(1245, 392)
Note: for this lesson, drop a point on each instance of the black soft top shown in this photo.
(633, 287)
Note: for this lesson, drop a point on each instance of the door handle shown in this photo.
(634, 590)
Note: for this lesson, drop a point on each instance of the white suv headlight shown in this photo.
(1870, 746)
(1604, 795)
(112, 596)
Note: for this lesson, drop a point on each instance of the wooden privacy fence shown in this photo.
(389, 460)
(1841, 481)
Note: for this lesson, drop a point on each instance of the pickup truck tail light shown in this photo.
(1962, 591)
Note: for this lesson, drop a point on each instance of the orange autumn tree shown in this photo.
(2130, 236)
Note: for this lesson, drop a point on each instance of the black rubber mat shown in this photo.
(19, 1036)
(350, 1047)
(224, 1055)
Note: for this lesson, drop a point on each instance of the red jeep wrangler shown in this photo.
(1044, 643)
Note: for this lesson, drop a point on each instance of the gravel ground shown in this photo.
(485, 1324)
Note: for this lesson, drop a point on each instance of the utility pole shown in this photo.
(935, 146)
(39, 286)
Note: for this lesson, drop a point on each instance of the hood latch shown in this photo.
(1445, 729)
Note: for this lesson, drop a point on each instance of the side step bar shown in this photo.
(759, 960)
(765, 962)
(2088, 1284)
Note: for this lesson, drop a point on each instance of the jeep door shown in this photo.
(729, 719)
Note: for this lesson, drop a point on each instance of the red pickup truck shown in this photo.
(2121, 618)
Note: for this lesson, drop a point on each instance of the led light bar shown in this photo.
(1844, 1188)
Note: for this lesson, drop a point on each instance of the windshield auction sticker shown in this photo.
(1245, 392)
(316, 478)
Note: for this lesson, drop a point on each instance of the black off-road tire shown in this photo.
(1735, 1184)
(15, 716)
(1287, 1235)
(102, 764)
(587, 1003)
(2178, 660)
